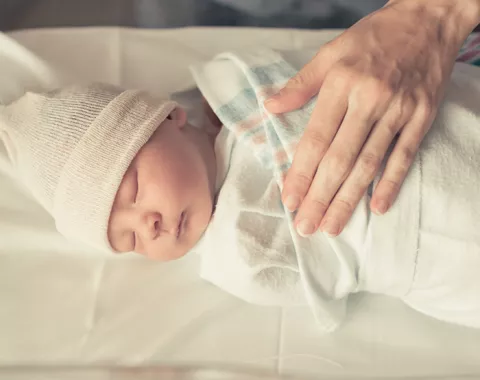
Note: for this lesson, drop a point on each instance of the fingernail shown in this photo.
(305, 228)
(381, 208)
(330, 228)
(292, 202)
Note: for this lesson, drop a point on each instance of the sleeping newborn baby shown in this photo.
(125, 171)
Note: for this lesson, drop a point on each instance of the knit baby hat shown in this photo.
(72, 147)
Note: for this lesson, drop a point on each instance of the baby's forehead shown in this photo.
(152, 145)
(141, 158)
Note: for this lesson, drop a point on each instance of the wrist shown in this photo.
(456, 18)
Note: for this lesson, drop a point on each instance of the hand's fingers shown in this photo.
(363, 173)
(319, 133)
(401, 158)
(299, 89)
(333, 170)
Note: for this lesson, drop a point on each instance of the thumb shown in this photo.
(298, 90)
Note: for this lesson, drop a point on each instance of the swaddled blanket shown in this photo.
(236, 85)
(422, 251)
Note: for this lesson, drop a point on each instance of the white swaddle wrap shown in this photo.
(425, 250)
(253, 250)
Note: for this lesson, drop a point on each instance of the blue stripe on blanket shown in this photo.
(243, 105)
(274, 73)
(247, 105)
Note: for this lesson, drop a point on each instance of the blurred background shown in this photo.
(313, 14)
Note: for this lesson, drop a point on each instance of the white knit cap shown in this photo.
(73, 146)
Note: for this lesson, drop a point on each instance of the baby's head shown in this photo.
(117, 169)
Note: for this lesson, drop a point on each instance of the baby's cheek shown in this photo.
(189, 178)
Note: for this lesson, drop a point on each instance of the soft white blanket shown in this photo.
(426, 250)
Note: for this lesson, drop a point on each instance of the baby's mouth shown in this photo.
(181, 224)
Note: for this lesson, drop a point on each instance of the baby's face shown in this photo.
(165, 200)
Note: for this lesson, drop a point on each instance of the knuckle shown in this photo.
(368, 165)
(406, 108)
(325, 51)
(346, 206)
(393, 127)
(379, 89)
(426, 111)
(405, 157)
(343, 75)
(399, 114)
(298, 81)
(376, 95)
(425, 106)
(317, 205)
(315, 140)
(342, 70)
(299, 181)
(392, 186)
(370, 97)
(339, 163)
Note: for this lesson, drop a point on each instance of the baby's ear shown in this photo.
(179, 116)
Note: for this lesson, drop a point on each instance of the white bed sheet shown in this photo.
(63, 304)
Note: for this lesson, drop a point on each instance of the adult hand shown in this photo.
(383, 77)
